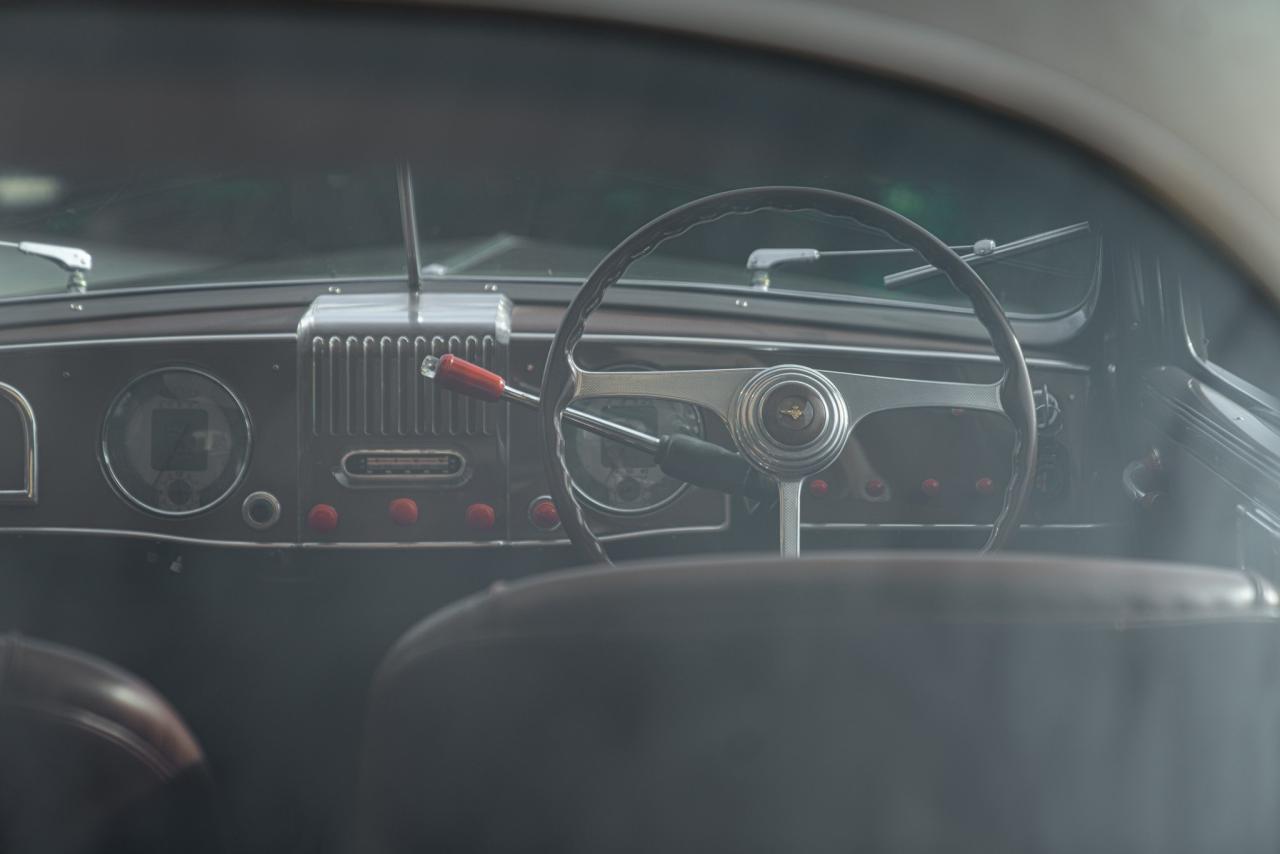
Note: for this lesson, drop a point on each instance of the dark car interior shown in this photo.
(304, 546)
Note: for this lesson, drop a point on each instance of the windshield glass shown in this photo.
(503, 190)
(345, 224)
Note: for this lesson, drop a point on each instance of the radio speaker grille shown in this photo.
(370, 386)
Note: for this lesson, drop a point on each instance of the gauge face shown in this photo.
(175, 442)
(618, 479)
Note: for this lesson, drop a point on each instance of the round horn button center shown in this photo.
(794, 414)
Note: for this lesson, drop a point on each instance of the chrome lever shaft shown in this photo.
(469, 379)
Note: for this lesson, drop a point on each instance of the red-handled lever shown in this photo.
(681, 456)
(464, 377)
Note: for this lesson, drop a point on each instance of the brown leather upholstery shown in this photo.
(93, 759)
(869, 703)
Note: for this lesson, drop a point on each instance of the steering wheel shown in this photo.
(789, 421)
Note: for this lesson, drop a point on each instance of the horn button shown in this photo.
(794, 415)
(789, 421)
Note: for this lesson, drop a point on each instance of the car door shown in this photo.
(1204, 474)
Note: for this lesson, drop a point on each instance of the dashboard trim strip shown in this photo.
(952, 526)
(599, 338)
(456, 544)
(157, 339)
(751, 344)
(472, 544)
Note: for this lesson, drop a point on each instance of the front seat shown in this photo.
(94, 760)
(905, 703)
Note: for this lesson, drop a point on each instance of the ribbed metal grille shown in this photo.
(370, 386)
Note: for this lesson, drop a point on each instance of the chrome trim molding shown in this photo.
(28, 493)
(480, 544)
(596, 338)
(776, 295)
(455, 544)
(954, 526)
(158, 339)
(796, 346)
(155, 290)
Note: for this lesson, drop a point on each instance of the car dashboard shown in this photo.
(316, 430)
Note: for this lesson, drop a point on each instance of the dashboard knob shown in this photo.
(322, 518)
(984, 486)
(931, 487)
(874, 487)
(481, 517)
(403, 511)
(260, 510)
(818, 487)
(1048, 411)
(544, 515)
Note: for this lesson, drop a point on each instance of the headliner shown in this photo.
(1174, 92)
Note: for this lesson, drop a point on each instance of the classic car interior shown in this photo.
(930, 450)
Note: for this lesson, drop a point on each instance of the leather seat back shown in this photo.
(868, 703)
(93, 759)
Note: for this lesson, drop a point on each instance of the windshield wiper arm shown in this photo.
(902, 278)
(761, 261)
(75, 261)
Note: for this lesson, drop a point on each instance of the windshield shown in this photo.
(482, 216)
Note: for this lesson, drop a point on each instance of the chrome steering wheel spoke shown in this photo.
(789, 492)
(715, 389)
(866, 394)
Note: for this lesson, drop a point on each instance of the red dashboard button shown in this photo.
(874, 487)
(931, 487)
(984, 486)
(819, 487)
(543, 514)
(322, 518)
(403, 511)
(481, 517)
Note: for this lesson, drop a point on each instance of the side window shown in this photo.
(1232, 330)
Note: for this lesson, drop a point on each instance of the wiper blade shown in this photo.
(761, 261)
(75, 261)
(902, 278)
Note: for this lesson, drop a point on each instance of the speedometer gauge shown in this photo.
(618, 479)
(175, 442)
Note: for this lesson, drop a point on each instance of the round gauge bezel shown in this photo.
(113, 478)
(609, 509)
